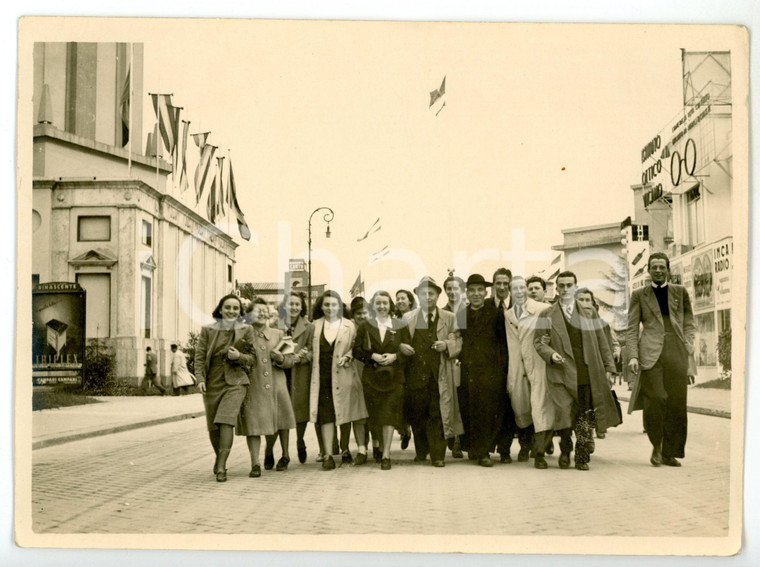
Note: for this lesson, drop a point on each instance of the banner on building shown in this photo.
(58, 333)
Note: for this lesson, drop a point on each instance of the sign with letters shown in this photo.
(58, 333)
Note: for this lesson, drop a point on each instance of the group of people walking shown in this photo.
(470, 376)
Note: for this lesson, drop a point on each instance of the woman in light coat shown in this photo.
(336, 395)
(267, 409)
(222, 358)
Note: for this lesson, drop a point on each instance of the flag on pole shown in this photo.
(245, 232)
(438, 93)
(203, 174)
(358, 288)
(124, 109)
(180, 161)
(168, 118)
(200, 139)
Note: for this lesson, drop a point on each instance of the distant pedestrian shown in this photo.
(267, 409)
(336, 395)
(223, 357)
(151, 373)
(182, 380)
(661, 351)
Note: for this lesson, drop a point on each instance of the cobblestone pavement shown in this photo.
(159, 480)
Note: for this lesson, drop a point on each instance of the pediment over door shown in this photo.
(93, 258)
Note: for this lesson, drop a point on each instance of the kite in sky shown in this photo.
(437, 94)
(372, 230)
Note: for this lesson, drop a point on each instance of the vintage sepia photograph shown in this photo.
(381, 286)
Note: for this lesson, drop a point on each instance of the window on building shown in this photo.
(694, 216)
(35, 280)
(147, 233)
(229, 273)
(724, 320)
(145, 306)
(94, 228)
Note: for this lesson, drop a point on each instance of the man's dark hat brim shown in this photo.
(477, 279)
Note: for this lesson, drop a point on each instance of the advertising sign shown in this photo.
(722, 253)
(702, 272)
(58, 333)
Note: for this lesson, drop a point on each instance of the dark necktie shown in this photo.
(430, 320)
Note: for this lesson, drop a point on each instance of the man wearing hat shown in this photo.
(483, 391)
(430, 395)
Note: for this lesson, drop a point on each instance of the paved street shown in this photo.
(158, 480)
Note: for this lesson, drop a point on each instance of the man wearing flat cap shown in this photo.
(430, 395)
(483, 391)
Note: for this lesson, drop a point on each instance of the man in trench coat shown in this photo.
(570, 339)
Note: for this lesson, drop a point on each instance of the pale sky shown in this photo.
(542, 130)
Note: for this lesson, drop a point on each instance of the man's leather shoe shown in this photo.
(656, 458)
(670, 461)
(581, 466)
(523, 455)
(564, 461)
(505, 458)
(540, 463)
(485, 462)
(439, 464)
(328, 464)
(457, 453)
(601, 435)
(385, 464)
(269, 461)
(405, 441)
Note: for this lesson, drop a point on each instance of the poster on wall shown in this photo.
(702, 271)
(723, 265)
(706, 340)
(58, 333)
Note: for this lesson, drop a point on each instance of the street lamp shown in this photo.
(328, 216)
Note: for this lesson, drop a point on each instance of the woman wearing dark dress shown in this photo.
(377, 346)
(222, 358)
(336, 395)
(405, 302)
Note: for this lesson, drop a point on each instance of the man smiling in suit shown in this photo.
(661, 351)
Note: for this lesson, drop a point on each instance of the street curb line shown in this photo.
(117, 429)
(695, 409)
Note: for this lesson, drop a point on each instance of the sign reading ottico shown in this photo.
(58, 327)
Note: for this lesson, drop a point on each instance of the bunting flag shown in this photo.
(245, 232)
(168, 120)
(124, 109)
(358, 288)
(554, 275)
(556, 259)
(219, 199)
(200, 139)
(438, 93)
(373, 229)
(211, 204)
(203, 174)
(179, 165)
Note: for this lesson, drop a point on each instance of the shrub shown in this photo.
(189, 350)
(724, 350)
(99, 370)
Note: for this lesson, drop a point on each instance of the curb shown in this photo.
(41, 444)
(695, 409)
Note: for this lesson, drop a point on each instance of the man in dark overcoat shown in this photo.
(482, 393)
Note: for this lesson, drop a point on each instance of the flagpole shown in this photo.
(159, 144)
(131, 106)
(229, 194)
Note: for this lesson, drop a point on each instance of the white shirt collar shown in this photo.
(655, 286)
(334, 324)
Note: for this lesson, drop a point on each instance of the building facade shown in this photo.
(684, 200)
(153, 269)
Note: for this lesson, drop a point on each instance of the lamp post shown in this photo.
(328, 216)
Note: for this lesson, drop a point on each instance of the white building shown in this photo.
(153, 268)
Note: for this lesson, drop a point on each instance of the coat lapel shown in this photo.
(673, 301)
(558, 322)
(299, 328)
(651, 300)
(440, 326)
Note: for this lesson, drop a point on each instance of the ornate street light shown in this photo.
(328, 216)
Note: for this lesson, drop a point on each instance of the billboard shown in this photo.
(58, 333)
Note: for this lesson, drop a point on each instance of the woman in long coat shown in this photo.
(377, 347)
(298, 331)
(336, 395)
(222, 358)
(267, 409)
